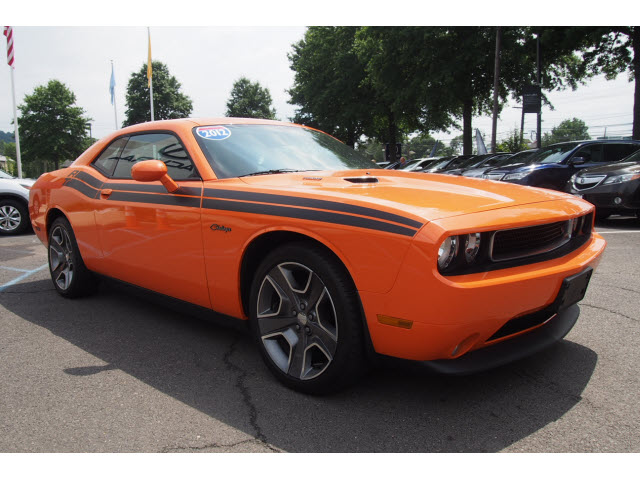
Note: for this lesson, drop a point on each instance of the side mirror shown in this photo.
(153, 171)
(578, 161)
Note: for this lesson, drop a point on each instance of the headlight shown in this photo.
(516, 176)
(621, 178)
(447, 252)
(573, 178)
(471, 247)
(453, 247)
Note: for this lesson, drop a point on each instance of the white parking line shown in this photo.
(22, 277)
(617, 231)
(15, 269)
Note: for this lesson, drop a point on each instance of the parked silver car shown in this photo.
(14, 204)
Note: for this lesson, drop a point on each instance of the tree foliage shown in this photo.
(616, 50)
(168, 101)
(386, 82)
(329, 84)
(567, 131)
(513, 143)
(52, 128)
(419, 146)
(250, 100)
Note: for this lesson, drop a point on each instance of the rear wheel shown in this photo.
(305, 318)
(69, 275)
(14, 217)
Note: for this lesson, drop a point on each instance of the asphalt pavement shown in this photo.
(116, 373)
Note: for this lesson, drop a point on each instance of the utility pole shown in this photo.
(496, 85)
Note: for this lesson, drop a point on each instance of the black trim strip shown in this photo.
(81, 187)
(244, 207)
(86, 178)
(309, 203)
(168, 199)
(133, 187)
(305, 214)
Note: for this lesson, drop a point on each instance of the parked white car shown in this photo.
(14, 204)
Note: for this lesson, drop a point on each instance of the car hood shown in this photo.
(425, 196)
(614, 168)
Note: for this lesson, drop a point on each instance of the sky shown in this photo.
(207, 60)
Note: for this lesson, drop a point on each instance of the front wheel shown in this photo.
(305, 317)
(69, 275)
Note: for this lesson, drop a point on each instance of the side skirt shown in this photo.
(179, 306)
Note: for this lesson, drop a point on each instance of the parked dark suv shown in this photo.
(613, 188)
(554, 165)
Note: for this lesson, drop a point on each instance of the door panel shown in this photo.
(150, 237)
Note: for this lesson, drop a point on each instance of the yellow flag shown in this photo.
(149, 69)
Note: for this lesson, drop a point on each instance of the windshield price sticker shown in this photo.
(213, 133)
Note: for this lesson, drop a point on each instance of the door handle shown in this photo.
(104, 193)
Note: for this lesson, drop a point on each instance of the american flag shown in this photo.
(8, 32)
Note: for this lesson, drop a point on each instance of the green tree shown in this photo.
(8, 149)
(568, 130)
(512, 143)
(372, 149)
(395, 59)
(616, 50)
(250, 100)
(330, 84)
(52, 128)
(168, 101)
(421, 146)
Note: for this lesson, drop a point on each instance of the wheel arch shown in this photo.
(52, 214)
(256, 250)
(13, 196)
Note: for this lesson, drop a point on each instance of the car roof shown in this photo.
(197, 122)
(587, 142)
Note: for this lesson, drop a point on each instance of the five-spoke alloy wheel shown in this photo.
(306, 320)
(69, 275)
(14, 217)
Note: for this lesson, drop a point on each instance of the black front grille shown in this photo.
(523, 242)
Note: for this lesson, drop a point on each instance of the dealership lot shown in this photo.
(114, 372)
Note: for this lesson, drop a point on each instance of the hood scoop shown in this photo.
(361, 180)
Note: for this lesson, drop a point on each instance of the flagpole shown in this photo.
(15, 122)
(150, 73)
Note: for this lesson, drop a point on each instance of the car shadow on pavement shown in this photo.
(619, 222)
(397, 407)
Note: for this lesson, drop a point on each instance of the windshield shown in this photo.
(240, 150)
(439, 164)
(634, 157)
(410, 164)
(5, 175)
(491, 162)
(553, 154)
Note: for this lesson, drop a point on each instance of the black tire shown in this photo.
(14, 217)
(306, 319)
(69, 275)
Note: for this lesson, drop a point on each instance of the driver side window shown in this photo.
(156, 146)
(591, 153)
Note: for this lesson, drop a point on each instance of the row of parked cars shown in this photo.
(603, 172)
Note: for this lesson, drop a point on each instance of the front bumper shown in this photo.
(452, 316)
(511, 350)
(604, 196)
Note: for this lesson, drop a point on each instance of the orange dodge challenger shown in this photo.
(325, 257)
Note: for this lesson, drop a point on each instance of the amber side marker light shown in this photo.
(395, 322)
